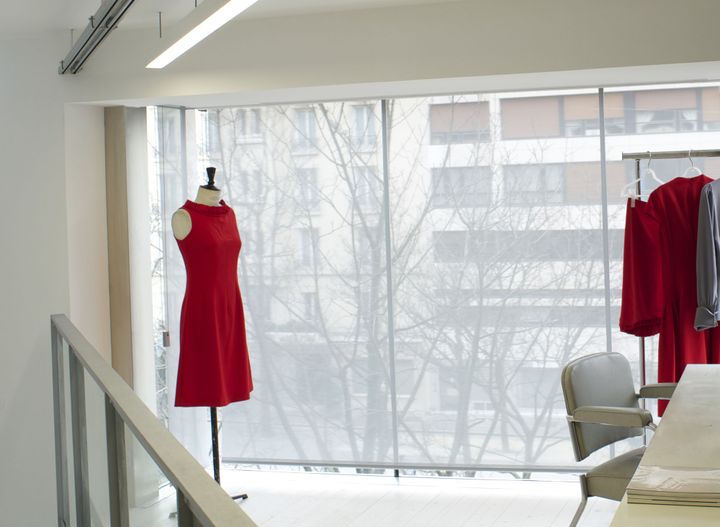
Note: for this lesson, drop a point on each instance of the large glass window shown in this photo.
(498, 253)
(499, 282)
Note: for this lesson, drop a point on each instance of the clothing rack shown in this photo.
(670, 154)
(650, 155)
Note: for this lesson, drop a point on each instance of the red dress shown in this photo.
(674, 206)
(214, 365)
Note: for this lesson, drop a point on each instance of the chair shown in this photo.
(603, 408)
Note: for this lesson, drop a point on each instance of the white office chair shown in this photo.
(603, 408)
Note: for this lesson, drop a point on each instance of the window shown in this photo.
(450, 246)
(248, 124)
(461, 186)
(664, 111)
(461, 122)
(369, 188)
(497, 253)
(310, 307)
(308, 245)
(452, 381)
(534, 245)
(305, 129)
(246, 181)
(213, 132)
(405, 376)
(710, 103)
(535, 384)
(365, 247)
(534, 184)
(531, 117)
(308, 192)
(582, 114)
(583, 182)
(363, 131)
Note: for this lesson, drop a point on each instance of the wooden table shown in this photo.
(688, 436)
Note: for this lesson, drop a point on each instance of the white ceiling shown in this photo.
(19, 17)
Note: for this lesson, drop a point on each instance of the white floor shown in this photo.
(296, 499)
(280, 499)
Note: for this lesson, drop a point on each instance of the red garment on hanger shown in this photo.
(641, 309)
(214, 365)
(674, 206)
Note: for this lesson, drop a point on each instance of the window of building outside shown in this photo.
(461, 186)
(534, 184)
(308, 245)
(499, 263)
(305, 128)
(364, 134)
(580, 114)
(248, 123)
(462, 122)
(310, 305)
(308, 191)
(368, 187)
(531, 117)
(666, 111)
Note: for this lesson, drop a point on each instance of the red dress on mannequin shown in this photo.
(675, 206)
(214, 365)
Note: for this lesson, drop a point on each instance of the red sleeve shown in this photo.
(642, 292)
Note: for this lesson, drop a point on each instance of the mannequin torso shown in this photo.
(181, 222)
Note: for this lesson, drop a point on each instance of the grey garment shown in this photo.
(708, 258)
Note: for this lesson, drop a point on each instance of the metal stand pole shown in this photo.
(641, 343)
(641, 340)
(214, 429)
(215, 443)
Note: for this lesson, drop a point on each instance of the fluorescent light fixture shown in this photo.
(205, 28)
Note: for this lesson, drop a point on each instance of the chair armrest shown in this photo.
(613, 415)
(663, 390)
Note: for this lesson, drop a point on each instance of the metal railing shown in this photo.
(131, 431)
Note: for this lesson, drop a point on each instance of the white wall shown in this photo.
(33, 274)
(45, 225)
(87, 229)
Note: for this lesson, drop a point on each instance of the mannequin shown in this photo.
(209, 196)
(206, 195)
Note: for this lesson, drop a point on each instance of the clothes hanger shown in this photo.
(628, 191)
(691, 167)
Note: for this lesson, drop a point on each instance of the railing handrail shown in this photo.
(207, 501)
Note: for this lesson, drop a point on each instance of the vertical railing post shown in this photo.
(185, 516)
(79, 440)
(61, 472)
(117, 466)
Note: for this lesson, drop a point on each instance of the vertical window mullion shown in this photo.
(605, 222)
(389, 282)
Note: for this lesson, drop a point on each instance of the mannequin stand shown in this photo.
(216, 450)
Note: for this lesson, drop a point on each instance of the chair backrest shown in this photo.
(600, 379)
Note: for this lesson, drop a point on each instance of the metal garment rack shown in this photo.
(661, 154)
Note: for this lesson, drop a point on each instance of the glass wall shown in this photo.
(498, 264)
(499, 273)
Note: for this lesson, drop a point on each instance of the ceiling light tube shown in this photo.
(205, 28)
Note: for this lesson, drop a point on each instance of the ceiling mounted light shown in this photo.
(205, 28)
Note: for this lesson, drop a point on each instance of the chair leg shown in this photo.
(583, 501)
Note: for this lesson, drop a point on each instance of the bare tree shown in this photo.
(482, 323)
